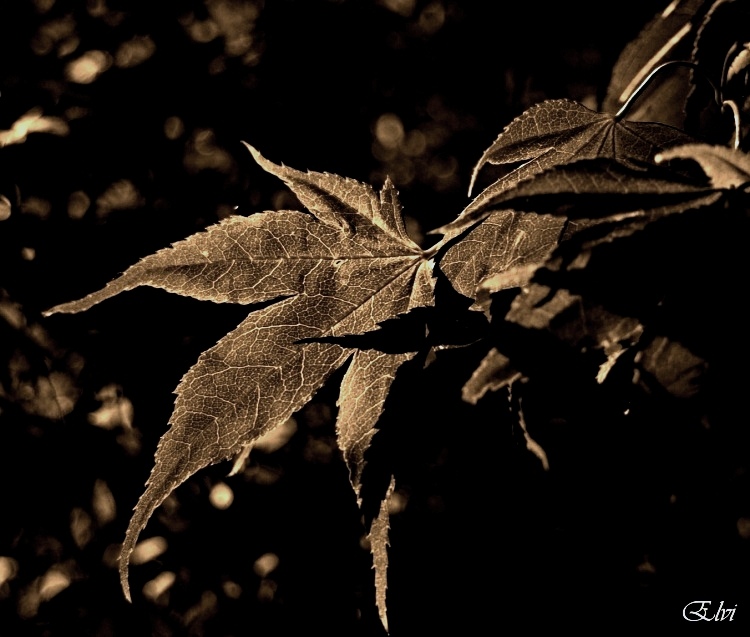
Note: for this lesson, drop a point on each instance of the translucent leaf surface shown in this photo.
(559, 131)
(343, 269)
(363, 393)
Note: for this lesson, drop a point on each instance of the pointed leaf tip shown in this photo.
(253, 151)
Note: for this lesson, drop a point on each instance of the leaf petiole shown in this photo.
(649, 78)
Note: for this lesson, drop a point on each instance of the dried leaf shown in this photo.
(378, 538)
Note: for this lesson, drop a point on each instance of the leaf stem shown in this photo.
(737, 121)
(649, 78)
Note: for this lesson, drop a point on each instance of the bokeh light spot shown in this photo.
(78, 203)
(232, 589)
(8, 569)
(276, 438)
(403, 7)
(221, 496)
(432, 18)
(147, 550)
(88, 67)
(121, 195)
(159, 585)
(134, 52)
(103, 503)
(266, 564)
(389, 130)
(116, 409)
(5, 208)
(173, 127)
(81, 527)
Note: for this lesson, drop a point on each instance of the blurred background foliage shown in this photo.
(120, 131)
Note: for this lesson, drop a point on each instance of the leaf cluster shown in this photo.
(573, 272)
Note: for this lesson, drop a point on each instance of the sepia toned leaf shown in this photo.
(560, 131)
(363, 393)
(343, 269)
(598, 188)
(493, 373)
(725, 167)
(504, 241)
(668, 36)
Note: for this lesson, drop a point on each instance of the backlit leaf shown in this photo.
(560, 131)
(363, 393)
(344, 269)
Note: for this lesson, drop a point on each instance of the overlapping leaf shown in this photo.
(341, 270)
(600, 188)
(559, 132)
(506, 241)
(363, 393)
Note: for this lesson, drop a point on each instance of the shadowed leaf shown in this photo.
(506, 240)
(597, 188)
(668, 36)
(364, 390)
(725, 167)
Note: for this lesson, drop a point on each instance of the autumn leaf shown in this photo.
(342, 269)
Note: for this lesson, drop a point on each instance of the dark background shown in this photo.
(146, 153)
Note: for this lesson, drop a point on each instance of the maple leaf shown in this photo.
(363, 393)
(525, 222)
(342, 269)
(558, 132)
(727, 168)
(605, 188)
(506, 241)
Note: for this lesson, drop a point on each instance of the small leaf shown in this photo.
(673, 366)
(740, 62)
(494, 372)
